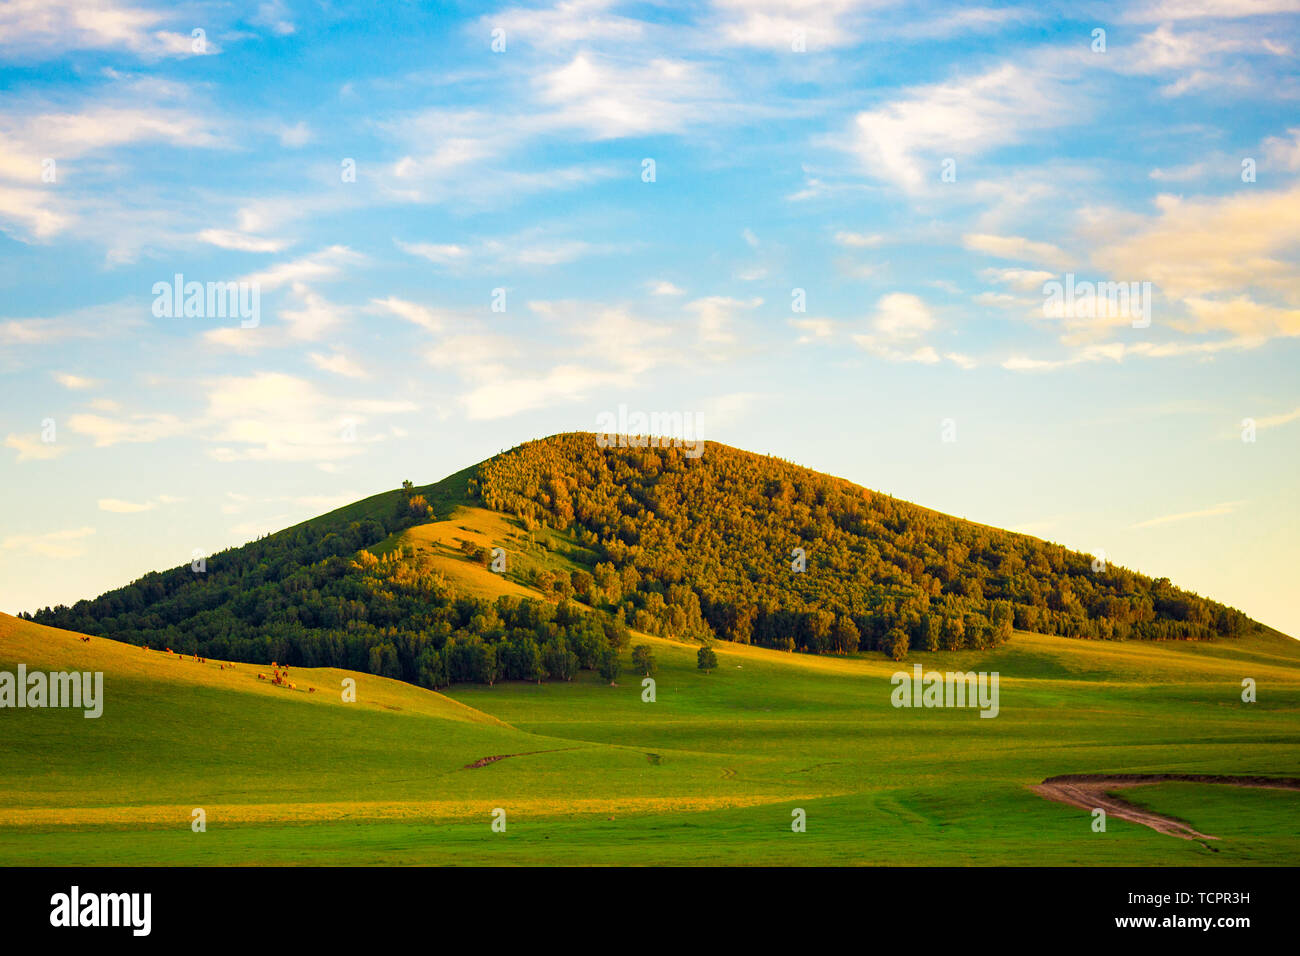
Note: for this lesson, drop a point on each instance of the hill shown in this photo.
(407, 584)
(753, 548)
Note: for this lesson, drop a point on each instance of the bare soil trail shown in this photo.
(484, 761)
(1091, 791)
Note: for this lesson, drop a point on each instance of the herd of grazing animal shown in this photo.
(280, 675)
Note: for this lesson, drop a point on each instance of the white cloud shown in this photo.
(1283, 152)
(230, 239)
(858, 240)
(52, 27)
(274, 15)
(118, 506)
(1272, 421)
(774, 24)
(1023, 280)
(31, 448)
(53, 544)
(1209, 246)
(961, 360)
(136, 429)
(68, 380)
(565, 23)
(1225, 508)
(518, 393)
(324, 264)
(715, 317)
(904, 142)
(339, 364)
(438, 254)
(530, 248)
(316, 317)
(1017, 247)
(1162, 10)
(432, 319)
(898, 326)
(272, 416)
(814, 330)
(606, 99)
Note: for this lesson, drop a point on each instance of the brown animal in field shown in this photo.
(292, 685)
(261, 677)
(311, 690)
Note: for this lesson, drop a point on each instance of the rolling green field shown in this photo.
(707, 774)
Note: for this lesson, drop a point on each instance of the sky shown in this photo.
(855, 235)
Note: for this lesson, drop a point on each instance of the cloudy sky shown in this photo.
(827, 229)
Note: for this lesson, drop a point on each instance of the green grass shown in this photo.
(707, 774)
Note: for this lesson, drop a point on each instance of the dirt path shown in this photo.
(484, 761)
(1089, 792)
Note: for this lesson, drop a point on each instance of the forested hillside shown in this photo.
(693, 546)
(315, 595)
(732, 545)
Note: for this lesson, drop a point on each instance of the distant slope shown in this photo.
(52, 649)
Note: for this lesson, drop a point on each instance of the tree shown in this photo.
(643, 659)
(609, 665)
(845, 635)
(616, 632)
(383, 661)
(706, 660)
(561, 663)
(431, 668)
(895, 643)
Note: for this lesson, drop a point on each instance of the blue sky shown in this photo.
(914, 175)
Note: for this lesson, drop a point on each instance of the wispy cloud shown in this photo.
(52, 544)
(1226, 508)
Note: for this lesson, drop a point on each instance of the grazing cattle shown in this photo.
(86, 640)
(311, 690)
(292, 685)
(261, 677)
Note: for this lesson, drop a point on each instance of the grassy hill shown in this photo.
(708, 773)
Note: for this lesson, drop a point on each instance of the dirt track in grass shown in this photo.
(1092, 791)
